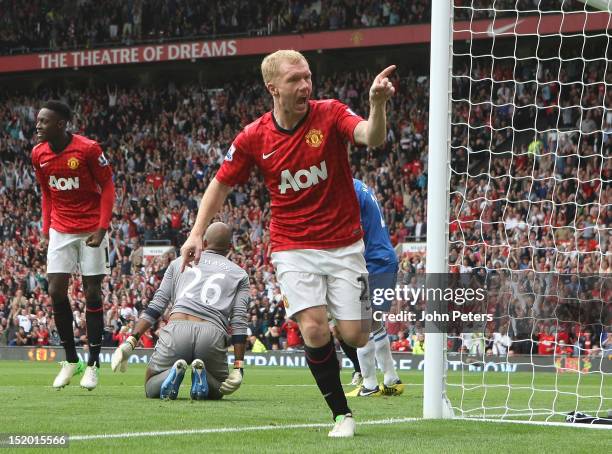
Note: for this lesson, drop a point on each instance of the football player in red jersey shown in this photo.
(77, 203)
(301, 149)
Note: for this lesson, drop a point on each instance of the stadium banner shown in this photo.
(154, 251)
(150, 252)
(411, 248)
(403, 361)
(341, 39)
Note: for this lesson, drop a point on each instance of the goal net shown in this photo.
(529, 172)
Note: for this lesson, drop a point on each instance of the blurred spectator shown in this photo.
(121, 335)
(401, 344)
(546, 342)
(292, 330)
(21, 338)
(606, 344)
(419, 346)
(255, 345)
(500, 343)
(562, 349)
(147, 340)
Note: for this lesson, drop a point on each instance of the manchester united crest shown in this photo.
(41, 354)
(314, 138)
(356, 38)
(73, 163)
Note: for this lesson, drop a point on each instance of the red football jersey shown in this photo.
(546, 344)
(307, 173)
(71, 182)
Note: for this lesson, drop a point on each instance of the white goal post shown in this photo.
(434, 397)
(520, 195)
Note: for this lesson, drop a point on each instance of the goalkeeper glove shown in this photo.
(120, 357)
(233, 380)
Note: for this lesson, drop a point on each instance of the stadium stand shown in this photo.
(37, 26)
(51, 25)
(165, 144)
(175, 142)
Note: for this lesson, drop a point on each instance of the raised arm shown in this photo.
(373, 131)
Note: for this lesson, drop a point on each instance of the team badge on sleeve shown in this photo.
(230, 153)
(102, 160)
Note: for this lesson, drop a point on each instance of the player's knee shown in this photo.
(152, 389)
(59, 296)
(376, 325)
(151, 394)
(336, 333)
(60, 302)
(357, 340)
(92, 287)
(315, 334)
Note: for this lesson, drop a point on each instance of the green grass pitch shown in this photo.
(280, 397)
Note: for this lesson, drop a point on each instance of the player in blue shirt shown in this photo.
(382, 265)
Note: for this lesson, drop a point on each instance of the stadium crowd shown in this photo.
(40, 25)
(553, 195)
(52, 25)
(165, 144)
(485, 9)
(547, 207)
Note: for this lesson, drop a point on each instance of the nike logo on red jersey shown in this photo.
(266, 156)
(42, 164)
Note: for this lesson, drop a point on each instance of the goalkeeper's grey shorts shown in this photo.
(188, 340)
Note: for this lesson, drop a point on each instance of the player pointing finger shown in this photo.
(382, 89)
(301, 148)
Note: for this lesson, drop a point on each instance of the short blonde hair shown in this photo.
(270, 64)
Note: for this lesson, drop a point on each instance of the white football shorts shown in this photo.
(68, 253)
(337, 278)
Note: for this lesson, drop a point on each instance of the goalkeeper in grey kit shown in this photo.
(207, 300)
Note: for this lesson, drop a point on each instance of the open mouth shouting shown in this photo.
(301, 102)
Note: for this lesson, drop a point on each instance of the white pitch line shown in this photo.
(314, 385)
(517, 414)
(540, 423)
(315, 425)
(231, 429)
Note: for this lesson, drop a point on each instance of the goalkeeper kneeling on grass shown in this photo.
(207, 300)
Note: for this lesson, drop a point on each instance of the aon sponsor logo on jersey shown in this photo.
(64, 184)
(303, 178)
